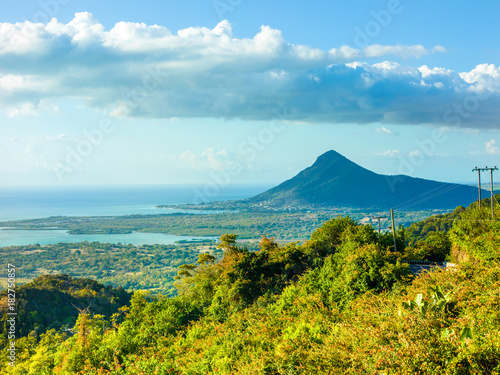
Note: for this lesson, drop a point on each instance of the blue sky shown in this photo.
(239, 91)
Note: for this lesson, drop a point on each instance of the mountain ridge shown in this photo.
(335, 181)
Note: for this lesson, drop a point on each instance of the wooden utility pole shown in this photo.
(479, 170)
(393, 230)
(378, 218)
(492, 196)
(479, 176)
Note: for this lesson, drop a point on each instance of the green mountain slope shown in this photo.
(335, 181)
(55, 301)
(341, 303)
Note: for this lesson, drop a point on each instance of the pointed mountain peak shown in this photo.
(335, 181)
(330, 156)
(336, 163)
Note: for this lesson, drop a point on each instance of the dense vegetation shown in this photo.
(54, 302)
(339, 303)
(419, 230)
(131, 267)
(475, 236)
(429, 239)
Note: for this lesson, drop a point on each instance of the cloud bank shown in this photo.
(138, 70)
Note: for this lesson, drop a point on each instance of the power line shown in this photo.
(404, 204)
(422, 198)
(379, 218)
(431, 196)
(479, 170)
(457, 219)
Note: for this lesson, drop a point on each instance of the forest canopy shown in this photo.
(342, 302)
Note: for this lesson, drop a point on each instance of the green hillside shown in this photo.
(55, 301)
(335, 181)
(340, 303)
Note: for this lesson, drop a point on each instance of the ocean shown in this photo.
(30, 203)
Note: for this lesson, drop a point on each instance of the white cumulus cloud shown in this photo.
(492, 148)
(388, 153)
(139, 70)
(384, 130)
(210, 159)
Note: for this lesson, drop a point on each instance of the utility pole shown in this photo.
(492, 196)
(479, 176)
(479, 170)
(393, 230)
(378, 218)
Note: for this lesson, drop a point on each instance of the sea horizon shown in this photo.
(41, 202)
(32, 202)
